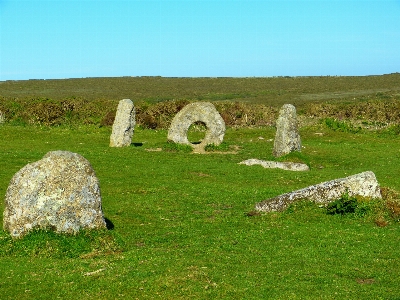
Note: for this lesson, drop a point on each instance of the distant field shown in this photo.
(243, 102)
(273, 91)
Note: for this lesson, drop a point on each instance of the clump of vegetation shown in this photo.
(373, 113)
(176, 147)
(221, 147)
(344, 205)
(159, 115)
(380, 211)
(240, 114)
(392, 203)
(342, 126)
(79, 111)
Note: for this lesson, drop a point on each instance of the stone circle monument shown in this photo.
(287, 138)
(60, 192)
(197, 111)
(124, 123)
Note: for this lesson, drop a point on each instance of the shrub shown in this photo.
(343, 205)
(340, 126)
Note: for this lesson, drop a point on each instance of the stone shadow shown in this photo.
(109, 224)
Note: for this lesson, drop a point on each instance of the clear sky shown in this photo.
(191, 38)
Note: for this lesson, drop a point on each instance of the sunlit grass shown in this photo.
(183, 227)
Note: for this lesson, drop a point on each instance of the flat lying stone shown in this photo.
(290, 166)
(363, 184)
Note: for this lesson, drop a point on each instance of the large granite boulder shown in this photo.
(198, 111)
(287, 138)
(363, 184)
(60, 192)
(124, 123)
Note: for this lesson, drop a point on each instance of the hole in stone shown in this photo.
(196, 132)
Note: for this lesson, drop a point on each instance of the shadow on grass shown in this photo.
(137, 144)
(109, 224)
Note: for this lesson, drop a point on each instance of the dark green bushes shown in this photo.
(48, 112)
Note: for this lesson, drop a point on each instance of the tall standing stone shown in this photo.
(2, 117)
(287, 138)
(124, 123)
(59, 192)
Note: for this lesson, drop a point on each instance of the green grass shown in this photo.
(182, 226)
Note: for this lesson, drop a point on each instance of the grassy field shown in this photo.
(182, 225)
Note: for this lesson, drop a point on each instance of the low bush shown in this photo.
(374, 113)
(344, 205)
(342, 126)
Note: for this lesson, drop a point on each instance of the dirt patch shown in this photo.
(154, 149)
(365, 280)
(337, 95)
(200, 150)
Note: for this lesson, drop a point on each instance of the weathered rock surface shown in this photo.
(124, 124)
(287, 138)
(198, 111)
(363, 184)
(290, 166)
(59, 192)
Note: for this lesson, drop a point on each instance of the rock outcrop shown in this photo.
(124, 124)
(363, 184)
(60, 192)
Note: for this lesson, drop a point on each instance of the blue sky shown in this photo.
(193, 38)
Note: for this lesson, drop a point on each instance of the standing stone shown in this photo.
(124, 123)
(287, 138)
(197, 111)
(2, 117)
(59, 192)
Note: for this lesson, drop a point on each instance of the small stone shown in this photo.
(287, 138)
(2, 117)
(59, 192)
(198, 111)
(363, 184)
(124, 123)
